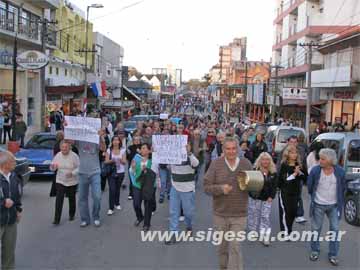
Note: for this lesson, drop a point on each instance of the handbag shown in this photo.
(108, 168)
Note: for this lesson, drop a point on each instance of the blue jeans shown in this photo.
(85, 181)
(187, 201)
(165, 180)
(331, 212)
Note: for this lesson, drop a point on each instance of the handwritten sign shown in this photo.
(82, 129)
(169, 149)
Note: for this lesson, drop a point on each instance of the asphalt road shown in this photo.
(117, 245)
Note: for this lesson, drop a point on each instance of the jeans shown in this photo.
(85, 181)
(115, 182)
(165, 180)
(21, 139)
(317, 220)
(187, 201)
(300, 207)
(70, 191)
(7, 132)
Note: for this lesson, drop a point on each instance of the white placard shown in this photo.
(83, 129)
(164, 116)
(169, 149)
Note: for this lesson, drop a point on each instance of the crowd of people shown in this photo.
(215, 148)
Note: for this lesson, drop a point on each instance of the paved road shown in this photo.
(116, 244)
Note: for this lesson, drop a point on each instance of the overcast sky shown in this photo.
(183, 33)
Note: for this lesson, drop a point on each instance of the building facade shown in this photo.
(339, 80)
(65, 73)
(302, 22)
(24, 20)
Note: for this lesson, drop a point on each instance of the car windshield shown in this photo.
(130, 125)
(41, 142)
(261, 128)
(354, 151)
(285, 134)
(333, 144)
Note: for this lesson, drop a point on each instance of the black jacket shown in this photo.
(290, 187)
(147, 180)
(10, 191)
(257, 148)
(269, 189)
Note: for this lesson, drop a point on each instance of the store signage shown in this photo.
(32, 60)
(68, 96)
(344, 94)
(294, 93)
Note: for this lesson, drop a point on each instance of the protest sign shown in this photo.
(82, 129)
(169, 149)
(164, 116)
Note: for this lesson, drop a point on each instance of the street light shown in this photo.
(87, 43)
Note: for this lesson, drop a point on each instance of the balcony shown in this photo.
(47, 4)
(27, 29)
(345, 76)
(289, 8)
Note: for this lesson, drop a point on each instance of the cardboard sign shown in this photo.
(83, 129)
(169, 149)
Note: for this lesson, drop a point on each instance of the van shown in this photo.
(280, 136)
(347, 147)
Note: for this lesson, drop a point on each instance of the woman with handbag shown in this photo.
(115, 161)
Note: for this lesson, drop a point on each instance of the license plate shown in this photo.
(356, 170)
(32, 169)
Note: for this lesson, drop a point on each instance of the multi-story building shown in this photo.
(24, 19)
(65, 72)
(108, 61)
(302, 22)
(339, 80)
(233, 52)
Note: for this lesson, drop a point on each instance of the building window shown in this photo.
(108, 70)
(66, 72)
(71, 72)
(57, 71)
(50, 70)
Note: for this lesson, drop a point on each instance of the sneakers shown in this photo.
(118, 207)
(314, 256)
(130, 198)
(181, 218)
(334, 261)
(138, 222)
(83, 224)
(266, 242)
(97, 223)
(161, 200)
(146, 228)
(172, 241)
(110, 212)
(300, 220)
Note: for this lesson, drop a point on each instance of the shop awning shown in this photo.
(131, 93)
(58, 90)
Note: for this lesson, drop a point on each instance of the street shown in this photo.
(117, 245)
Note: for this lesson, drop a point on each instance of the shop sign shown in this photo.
(344, 94)
(32, 60)
(294, 93)
(68, 96)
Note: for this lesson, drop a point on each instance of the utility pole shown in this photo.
(86, 51)
(245, 90)
(275, 89)
(310, 46)
(13, 115)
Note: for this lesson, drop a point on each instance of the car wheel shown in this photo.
(351, 210)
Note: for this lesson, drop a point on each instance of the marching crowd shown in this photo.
(214, 147)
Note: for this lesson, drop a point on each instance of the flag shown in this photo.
(99, 88)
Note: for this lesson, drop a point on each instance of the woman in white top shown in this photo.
(313, 158)
(115, 154)
(66, 163)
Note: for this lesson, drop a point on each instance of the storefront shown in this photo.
(342, 105)
(69, 97)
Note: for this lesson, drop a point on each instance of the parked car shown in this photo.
(144, 117)
(281, 136)
(347, 147)
(130, 127)
(22, 169)
(39, 152)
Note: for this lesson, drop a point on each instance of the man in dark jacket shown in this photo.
(10, 208)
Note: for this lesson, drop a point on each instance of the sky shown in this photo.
(183, 33)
